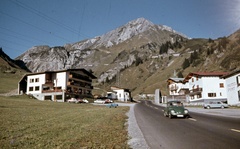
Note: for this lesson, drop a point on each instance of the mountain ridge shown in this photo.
(137, 54)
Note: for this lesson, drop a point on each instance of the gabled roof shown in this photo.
(65, 70)
(231, 74)
(118, 88)
(176, 79)
(201, 74)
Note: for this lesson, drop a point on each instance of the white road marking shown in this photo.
(192, 119)
(235, 130)
(155, 107)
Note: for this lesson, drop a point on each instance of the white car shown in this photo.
(73, 100)
(215, 104)
(85, 101)
(99, 101)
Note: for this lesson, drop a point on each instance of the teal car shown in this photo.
(175, 109)
(112, 105)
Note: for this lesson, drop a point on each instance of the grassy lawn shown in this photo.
(29, 123)
(9, 82)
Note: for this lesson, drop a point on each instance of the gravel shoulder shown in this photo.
(136, 138)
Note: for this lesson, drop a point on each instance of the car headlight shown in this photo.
(186, 111)
(172, 112)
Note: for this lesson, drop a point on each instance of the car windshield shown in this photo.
(176, 104)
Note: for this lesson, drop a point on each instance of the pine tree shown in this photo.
(185, 64)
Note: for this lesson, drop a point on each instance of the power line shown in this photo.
(13, 42)
(28, 8)
(34, 26)
(24, 36)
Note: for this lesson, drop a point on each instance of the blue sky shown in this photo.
(28, 23)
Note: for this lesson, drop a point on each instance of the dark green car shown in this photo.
(175, 109)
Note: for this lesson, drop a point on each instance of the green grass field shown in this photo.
(9, 81)
(29, 123)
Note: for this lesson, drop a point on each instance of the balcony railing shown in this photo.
(80, 85)
(196, 90)
(52, 90)
(174, 88)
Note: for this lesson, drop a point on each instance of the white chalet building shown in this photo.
(122, 94)
(57, 85)
(176, 86)
(206, 86)
(233, 87)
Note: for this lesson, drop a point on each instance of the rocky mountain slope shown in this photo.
(8, 65)
(139, 56)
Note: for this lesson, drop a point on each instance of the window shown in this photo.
(30, 88)
(221, 85)
(37, 80)
(31, 80)
(239, 95)
(211, 94)
(199, 96)
(36, 88)
(47, 97)
(220, 93)
(238, 80)
(192, 79)
(59, 97)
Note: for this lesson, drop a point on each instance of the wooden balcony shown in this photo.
(196, 91)
(173, 88)
(52, 90)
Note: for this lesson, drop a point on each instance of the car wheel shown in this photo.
(208, 107)
(169, 116)
(165, 114)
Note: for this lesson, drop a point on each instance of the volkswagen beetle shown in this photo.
(175, 109)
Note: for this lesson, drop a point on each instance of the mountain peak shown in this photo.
(142, 21)
(125, 32)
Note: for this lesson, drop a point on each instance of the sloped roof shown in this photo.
(231, 74)
(176, 79)
(65, 70)
(219, 74)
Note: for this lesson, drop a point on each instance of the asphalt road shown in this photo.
(200, 131)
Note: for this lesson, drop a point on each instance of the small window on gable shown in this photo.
(37, 80)
(221, 85)
(31, 80)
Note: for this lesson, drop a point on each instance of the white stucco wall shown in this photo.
(212, 85)
(233, 90)
(34, 84)
(60, 80)
(209, 84)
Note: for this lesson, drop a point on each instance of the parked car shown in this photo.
(175, 109)
(108, 101)
(112, 105)
(83, 101)
(215, 104)
(99, 101)
(73, 100)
